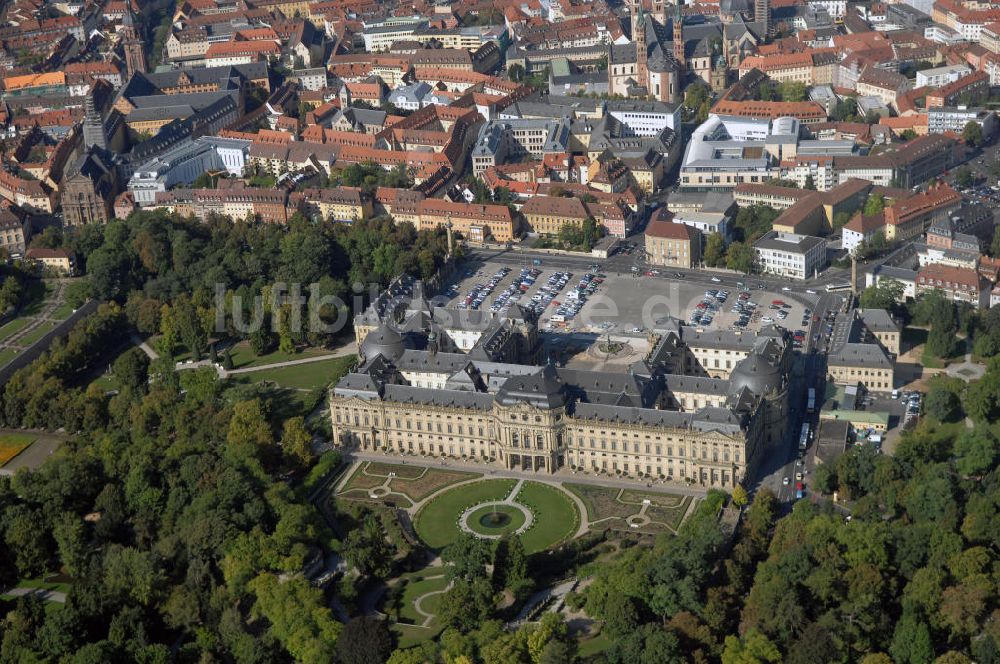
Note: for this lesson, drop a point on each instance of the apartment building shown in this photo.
(222, 54)
(857, 354)
(909, 218)
(967, 20)
(885, 85)
(990, 37)
(797, 67)
(942, 118)
(779, 198)
(941, 76)
(59, 261)
(960, 284)
(546, 215)
(966, 90)
(672, 244)
(476, 222)
(31, 195)
(14, 233)
(499, 140)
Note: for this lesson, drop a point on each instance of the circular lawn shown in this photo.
(554, 516)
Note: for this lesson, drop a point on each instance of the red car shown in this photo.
(777, 303)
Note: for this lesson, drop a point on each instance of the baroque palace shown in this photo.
(702, 407)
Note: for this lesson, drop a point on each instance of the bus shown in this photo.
(811, 401)
(804, 436)
(843, 286)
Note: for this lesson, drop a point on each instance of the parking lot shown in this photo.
(556, 295)
(593, 300)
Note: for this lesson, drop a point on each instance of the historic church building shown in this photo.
(664, 51)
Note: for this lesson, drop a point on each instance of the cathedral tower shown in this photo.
(679, 36)
(135, 57)
(639, 38)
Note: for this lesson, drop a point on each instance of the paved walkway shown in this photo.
(35, 321)
(561, 475)
(429, 617)
(966, 370)
(529, 517)
(344, 351)
(46, 595)
(146, 348)
(558, 591)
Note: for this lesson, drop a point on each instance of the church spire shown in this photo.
(639, 37)
(135, 56)
(679, 35)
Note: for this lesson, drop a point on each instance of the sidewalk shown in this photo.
(45, 595)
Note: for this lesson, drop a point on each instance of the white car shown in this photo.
(767, 320)
(810, 291)
(716, 279)
(784, 481)
(786, 289)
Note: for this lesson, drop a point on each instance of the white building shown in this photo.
(942, 34)
(645, 118)
(940, 76)
(184, 163)
(706, 222)
(412, 97)
(311, 79)
(790, 255)
(942, 118)
(380, 34)
(835, 8)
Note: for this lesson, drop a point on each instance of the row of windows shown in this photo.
(528, 441)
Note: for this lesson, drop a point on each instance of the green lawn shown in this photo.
(6, 355)
(307, 376)
(11, 327)
(408, 636)
(62, 312)
(287, 403)
(45, 585)
(593, 646)
(31, 337)
(437, 521)
(106, 382)
(243, 357)
(12, 444)
(556, 517)
(415, 589)
(38, 291)
(930, 360)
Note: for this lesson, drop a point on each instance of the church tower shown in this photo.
(639, 37)
(135, 57)
(94, 134)
(762, 14)
(679, 36)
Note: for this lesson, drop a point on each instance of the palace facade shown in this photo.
(702, 407)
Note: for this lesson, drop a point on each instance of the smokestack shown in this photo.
(854, 276)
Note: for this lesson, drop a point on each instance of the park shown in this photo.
(445, 504)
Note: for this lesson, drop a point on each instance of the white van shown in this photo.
(895, 394)
(558, 318)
